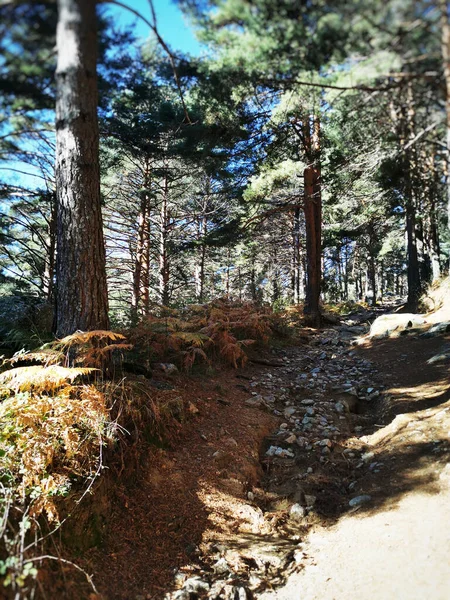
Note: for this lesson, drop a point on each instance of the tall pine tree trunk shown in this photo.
(82, 299)
(140, 278)
(164, 269)
(413, 269)
(444, 7)
(313, 219)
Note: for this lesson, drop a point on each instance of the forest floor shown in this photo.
(322, 474)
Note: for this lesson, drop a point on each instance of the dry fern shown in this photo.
(88, 337)
(41, 379)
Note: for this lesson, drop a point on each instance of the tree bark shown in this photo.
(313, 219)
(140, 293)
(164, 268)
(82, 299)
(444, 7)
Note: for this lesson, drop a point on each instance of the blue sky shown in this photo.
(172, 25)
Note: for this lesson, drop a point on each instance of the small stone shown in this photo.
(256, 401)
(195, 585)
(310, 411)
(291, 439)
(167, 368)
(182, 595)
(193, 409)
(367, 456)
(360, 500)
(221, 567)
(289, 411)
(250, 496)
(284, 426)
(297, 512)
(309, 470)
(307, 402)
(279, 452)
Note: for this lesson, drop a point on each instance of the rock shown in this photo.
(386, 325)
(182, 595)
(302, 441)
(240, 593)
(307, 402)
(255, 402)
(250, 496)
(339, 407)
(280, 452)
(367, 456)
(437, 329)
(231, 442)
(195, 585)
(221, 567)
(359, 500)
(167, 368)
(291, 439)
(442, 357)
(297, 512)
(289, 411)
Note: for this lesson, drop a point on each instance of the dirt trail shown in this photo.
(213, 519)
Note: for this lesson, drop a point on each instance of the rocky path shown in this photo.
(346, 496)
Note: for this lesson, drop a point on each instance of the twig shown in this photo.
(154, 28)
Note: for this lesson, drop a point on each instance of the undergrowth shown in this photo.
(219, 332)
(54, 423)
(66, 405)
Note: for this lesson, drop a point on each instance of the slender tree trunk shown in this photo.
(444, 7)
(413, 270)
(50, 259)
(313, 220)
(82, 298)
(227, 278)
(200, 267)
(164, 269)
(296, 257)
(141, 267)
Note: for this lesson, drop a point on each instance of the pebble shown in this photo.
(196, 585)
(280, 452)
(360, 500)
(297, 512)
(221, 567)
(367, 456)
